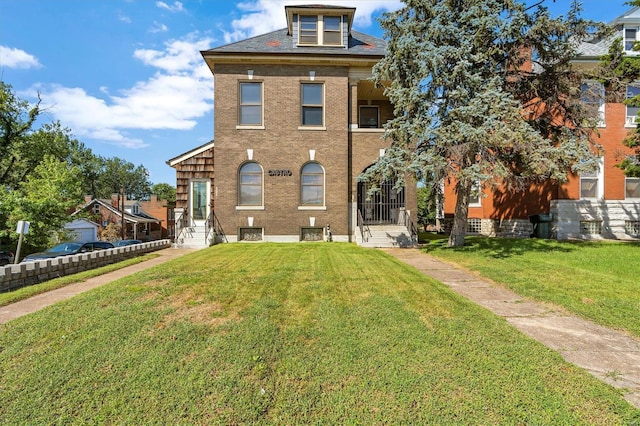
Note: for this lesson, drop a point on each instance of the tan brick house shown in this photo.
(297, 119)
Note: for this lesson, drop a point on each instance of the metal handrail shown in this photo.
(183, 229)
(365, 232)
(214, 227)
(411, 227)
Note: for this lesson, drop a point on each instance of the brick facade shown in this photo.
(281, 145)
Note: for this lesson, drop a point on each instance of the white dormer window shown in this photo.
(308, 29)
(319, 30)
(135, 209)
(332, 30)
(630, 38)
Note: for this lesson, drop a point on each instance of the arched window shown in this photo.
(250, 185)
(312, 185)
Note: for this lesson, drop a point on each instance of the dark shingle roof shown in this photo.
(279, 42)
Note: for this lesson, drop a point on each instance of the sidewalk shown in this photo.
(27, 306)
(609, 355)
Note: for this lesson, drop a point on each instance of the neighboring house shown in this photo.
(297, 119)
(83, 230)
(139, 223)
(602, 204)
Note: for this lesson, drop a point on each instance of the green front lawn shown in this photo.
(286, 334)
(596, 280)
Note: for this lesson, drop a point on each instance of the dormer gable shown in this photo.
(628, 28)
(320, 25)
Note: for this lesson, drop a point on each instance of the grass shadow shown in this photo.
(504, 247)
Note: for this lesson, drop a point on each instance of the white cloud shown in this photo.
(124, 18)
(16, 58)
(177, 6)
(174, 98)
(263, 16)
(158, 28)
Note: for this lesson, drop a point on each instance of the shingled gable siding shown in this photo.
(29, 273)
(200, 166)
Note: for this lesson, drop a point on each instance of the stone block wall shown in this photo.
(595, 219)
(29, 273)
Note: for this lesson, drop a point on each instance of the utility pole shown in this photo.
(123, 224)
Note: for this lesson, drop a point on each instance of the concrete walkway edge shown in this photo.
(609, 355)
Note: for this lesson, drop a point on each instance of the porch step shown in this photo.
(387, 236)
(193, 238)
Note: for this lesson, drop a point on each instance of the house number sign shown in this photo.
(280, 173)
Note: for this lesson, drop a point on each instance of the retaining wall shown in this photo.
(28, 273)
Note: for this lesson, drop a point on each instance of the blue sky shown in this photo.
(126, 76)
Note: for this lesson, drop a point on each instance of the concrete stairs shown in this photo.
(193, 237)
(386, 236)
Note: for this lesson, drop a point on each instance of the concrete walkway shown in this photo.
(27, 306)
(609, 355)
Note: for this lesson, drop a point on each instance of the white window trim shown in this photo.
(480, 195)
(600, 183)
(340, 31)
(630, 120)
(624, 38)
(320, 31)
(626, 179)
(238, 184)
(251, 126)
(323, 206)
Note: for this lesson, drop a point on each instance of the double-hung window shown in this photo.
(633, 90)
(630, 38)
(308, 29)
(312, 185)
(312, 104)
(250, 185)
(332, 33)
(632, 187)
(592, 183)
(592, 95)
(250, 100)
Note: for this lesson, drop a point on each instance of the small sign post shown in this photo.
(22, 228)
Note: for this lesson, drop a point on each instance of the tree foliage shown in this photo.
(44, 172)
(469, 109)
(164, 191)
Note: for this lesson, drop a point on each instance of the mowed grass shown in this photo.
(286, 334)
(596, 280)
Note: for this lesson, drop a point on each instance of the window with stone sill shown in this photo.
(250, 104)
(312, 98)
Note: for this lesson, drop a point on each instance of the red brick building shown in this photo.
(604, 204)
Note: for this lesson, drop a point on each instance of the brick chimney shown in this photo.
(115, 200)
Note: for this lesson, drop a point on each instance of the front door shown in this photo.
(199, 201)
(383, 207)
